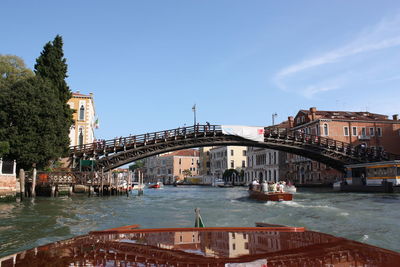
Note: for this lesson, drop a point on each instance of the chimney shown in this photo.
(291, 122)
(313, 111)
(78, 92)
(395, 117)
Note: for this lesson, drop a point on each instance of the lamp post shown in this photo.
(273, 118)
(194, 113)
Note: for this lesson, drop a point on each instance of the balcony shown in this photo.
(364, 137)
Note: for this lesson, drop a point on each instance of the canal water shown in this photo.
(368, 218)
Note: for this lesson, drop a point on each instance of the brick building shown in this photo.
(370, 129)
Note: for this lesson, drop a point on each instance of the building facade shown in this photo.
(265, 165)
(82, 131)
(171, 167)
(227, 157)
(205, 164)
(369, 129)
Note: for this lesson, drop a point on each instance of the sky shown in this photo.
(148, 62)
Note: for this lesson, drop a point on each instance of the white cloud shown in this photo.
(384, 35)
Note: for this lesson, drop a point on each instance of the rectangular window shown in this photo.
(354, 131)
(346, 131)
(379, 131)
(243, 163)
(244, 152)
(232, 164)
(231, 152)
(363, 131)
(371, 131)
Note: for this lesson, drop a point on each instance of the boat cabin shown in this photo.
(374, 174)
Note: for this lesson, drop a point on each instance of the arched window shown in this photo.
(80, 141)
(326, 130)
(82, 113)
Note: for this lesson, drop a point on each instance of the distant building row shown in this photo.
(369, 129)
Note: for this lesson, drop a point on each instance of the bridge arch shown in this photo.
(114, 153)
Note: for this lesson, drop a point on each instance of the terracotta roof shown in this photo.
(347, 115)
(79, 94)
(184, 153)
(284, 124)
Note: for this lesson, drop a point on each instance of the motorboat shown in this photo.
(337, 185)
(225, 185)
(270, 246)
(155, 185)
(270, 196)
(290, 188)
(137, 186)
(218, 182)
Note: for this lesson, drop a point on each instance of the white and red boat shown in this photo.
(155, 185)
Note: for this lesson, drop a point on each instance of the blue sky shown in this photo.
(148, 62)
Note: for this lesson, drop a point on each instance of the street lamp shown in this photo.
(194, 113)
(274, 115)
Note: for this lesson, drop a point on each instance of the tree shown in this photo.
(186, 173)
(4, 148)
(136, 165)
(229, 173)
(34, 115)
(51, 65)
(12, 70)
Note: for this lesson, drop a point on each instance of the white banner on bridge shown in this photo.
(247, 132)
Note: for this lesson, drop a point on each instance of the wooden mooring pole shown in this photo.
(34, 173)
(22, 183)
(101, 183)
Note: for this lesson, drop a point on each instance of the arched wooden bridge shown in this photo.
(110, 154)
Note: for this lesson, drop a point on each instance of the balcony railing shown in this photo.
(364, 137)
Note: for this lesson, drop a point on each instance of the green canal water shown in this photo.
(368, 218)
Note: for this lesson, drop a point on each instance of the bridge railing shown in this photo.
(143, 139)
(122, 143)
(332, 144)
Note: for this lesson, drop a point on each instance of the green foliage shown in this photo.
(186, 173)
(136, 165)
(4, 148)
(12, 69)
(51, 65)
(34, 117)
(230, 173)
